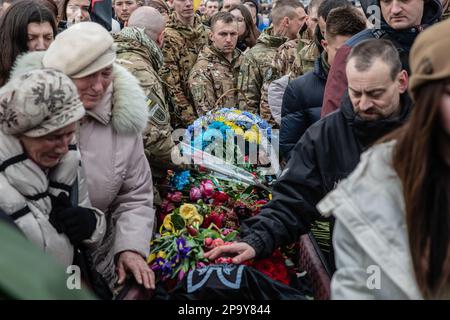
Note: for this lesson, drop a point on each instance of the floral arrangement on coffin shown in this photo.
(248, 125)
(200, 213)
(203, 209)
(237, 137)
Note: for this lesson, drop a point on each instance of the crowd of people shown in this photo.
(361, 101)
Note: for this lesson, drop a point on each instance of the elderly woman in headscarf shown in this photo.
(110, 140)
(39, 164)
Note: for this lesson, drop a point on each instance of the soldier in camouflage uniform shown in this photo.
(142, 56)
(185, 37)
(256, 65)
(294, 14)
(216, 71)
(293, 58)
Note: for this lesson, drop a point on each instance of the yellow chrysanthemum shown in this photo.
(190, 214)
(187, 211)
(238, 131)
(251, 136)
(238, 111)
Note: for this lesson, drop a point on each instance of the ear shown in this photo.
(402, 79)
(160, 39)
(210, 34)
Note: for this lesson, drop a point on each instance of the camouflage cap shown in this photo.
(39, 102)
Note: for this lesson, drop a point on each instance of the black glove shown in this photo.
(77, 223)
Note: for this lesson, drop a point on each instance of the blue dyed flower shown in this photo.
(180, 180)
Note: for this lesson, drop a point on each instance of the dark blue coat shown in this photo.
(302, 102)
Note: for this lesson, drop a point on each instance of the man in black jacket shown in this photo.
(302, 100)
(374, 105)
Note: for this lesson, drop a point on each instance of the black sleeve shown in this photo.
(292, 209)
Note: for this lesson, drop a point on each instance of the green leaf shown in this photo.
(178, 221)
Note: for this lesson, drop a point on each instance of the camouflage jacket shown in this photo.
(211, 77)
(287, 60)
(256, 63)
(292, 58)
(182, 44)
(143, 58)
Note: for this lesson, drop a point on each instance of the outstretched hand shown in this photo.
(134, 263)
(243, 252)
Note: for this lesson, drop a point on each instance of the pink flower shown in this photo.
(195, 194)
(167, 206)
(227, 232)
(181, 275)
(207, 188)
(175, 197)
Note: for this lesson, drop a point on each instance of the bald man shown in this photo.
(138, 50)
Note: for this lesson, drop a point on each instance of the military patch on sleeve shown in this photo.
(157, 113)
(198, 91)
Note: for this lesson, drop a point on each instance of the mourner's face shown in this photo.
(77, 11)
(296, 23)
(445, 109)
(92, 88)
(124, 9)
(240, 20)
(212, 7)
(47, 151)
(252, 8)
(373, 93)
(184, 8)
(224, 36)
(40, 36)
(402, 14)
(313, 20)
(332, 45)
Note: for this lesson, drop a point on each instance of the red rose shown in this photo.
(220, 198)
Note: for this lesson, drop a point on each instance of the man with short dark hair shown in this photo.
(401, 22)
(123, 10)
(139, 51)
(185, 36)
(212, 7)
(216, 71)
(287, 21)
(329, 150)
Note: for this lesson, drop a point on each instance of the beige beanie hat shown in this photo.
(429, 57)
(81, 50)
(39, 102)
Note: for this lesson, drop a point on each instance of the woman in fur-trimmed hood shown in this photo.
(110, 141)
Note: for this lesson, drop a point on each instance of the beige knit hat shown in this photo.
(81, 50)
(430, 56)
(39, 102)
